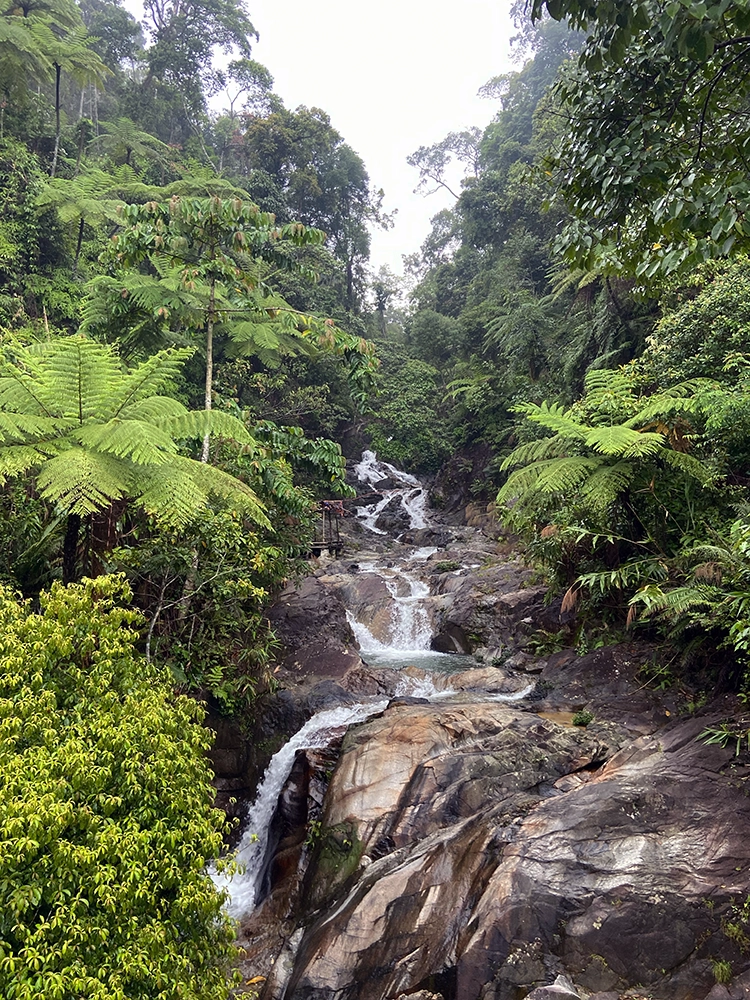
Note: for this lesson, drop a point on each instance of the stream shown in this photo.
(463, 839)
(408, 644)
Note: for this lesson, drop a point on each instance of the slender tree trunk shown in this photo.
(81, 140)
(78, 247)
(80, 106)
(209, 363)
(57, 119)
(70, 549)
(189, 587)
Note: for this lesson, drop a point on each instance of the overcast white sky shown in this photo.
(393, 75)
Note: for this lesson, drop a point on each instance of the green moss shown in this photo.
(339, 852)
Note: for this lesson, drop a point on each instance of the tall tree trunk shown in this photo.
(192, 575)
(78, 247)
(57, 119)
(209, 363)
(70, 549)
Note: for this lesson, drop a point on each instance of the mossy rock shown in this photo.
(338, 852)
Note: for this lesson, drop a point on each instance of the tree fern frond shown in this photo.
(220, 484)
(519, 485)
(255, 334)
(170, 493)
(620, 440)
(135, 440)
(155, 409)
(198, 423)
(607, 483)
(270, 339)
(75, 377)
(535, 451)
(82, 481)
(19, 458)
(22, 427)
(690, 465)
(677, 601)
(149, 379)
(559, 475)
(176, 494)
(605, 386)
(554, 417)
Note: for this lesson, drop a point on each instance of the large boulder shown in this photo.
(488, 850)
(492, 607)
(311, 624)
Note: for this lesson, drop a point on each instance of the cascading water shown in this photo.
(409, 638)
(321, 730)
(318, 732)
(408, 488)
(410, 633)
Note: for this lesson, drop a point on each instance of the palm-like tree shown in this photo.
(93, 434)
(122, 139)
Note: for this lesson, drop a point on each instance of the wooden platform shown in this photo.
(333, 548)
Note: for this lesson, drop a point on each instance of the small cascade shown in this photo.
(411, 492)
(319, 731)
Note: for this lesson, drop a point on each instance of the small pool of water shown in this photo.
(425, 659)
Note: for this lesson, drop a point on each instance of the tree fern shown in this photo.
(93, 433)
(623, 441)
(554, 417)
(606, 484)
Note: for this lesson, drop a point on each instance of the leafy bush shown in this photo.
(105, 812)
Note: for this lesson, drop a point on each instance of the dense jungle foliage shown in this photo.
(580, 318)
(189, 326)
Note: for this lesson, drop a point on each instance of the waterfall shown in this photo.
(319, 731)
(410, 630)
(409, 489)
(410, 635)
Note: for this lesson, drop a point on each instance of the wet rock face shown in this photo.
(491, 607)
(310, 622)
(394, 517)
(489, 852)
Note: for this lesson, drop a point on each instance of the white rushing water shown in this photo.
(319, 731)
(410, 626)
(408, 488)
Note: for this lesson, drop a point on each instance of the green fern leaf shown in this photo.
(83, 481)
(149, 379)
(689, 465)
(19, 458)
(607, 483)
(131, 439)
(535, 451)
(555, 418)
(617, 440)
(197, 423)
(561, 475)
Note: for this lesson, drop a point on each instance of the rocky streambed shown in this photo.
(467, 841)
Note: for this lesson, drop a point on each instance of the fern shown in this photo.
(535, 451)
(606, 484)
(677, 601)
(622, 441)
(690, 466)
(560, 475)
(94, 433)
(555, 418)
